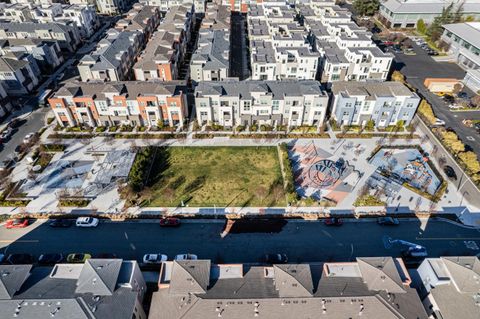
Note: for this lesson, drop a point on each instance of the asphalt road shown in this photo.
(301, 241)
(239, 50)
(420, 66)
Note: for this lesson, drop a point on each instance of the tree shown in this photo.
(366, 7)
(421, 26)
(397, 76)
(451, 141)
(457, 88)
(261, 193)
(169, 194)
(475, 101)
(471, 162)
(426, 112)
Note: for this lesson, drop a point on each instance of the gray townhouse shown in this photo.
(99, 288)
(386, 103)
(68, 37)
(113, 58)
(289, 102)
(370, 287)
(449, 286)
(19, 73)
(47, 54)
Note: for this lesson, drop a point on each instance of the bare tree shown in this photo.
(261, 193)
(169, 194)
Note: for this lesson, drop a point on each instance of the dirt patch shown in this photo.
(254, 226)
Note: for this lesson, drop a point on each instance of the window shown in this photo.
(203, 104)
(275, 105)
(246, 106)
(58, 105)
(348, 104)
(358, 103)
(409, 104)
(173, 104)
(317, 113)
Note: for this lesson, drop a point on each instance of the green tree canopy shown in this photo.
(366, 7)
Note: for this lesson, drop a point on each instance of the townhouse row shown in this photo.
(230, 103)
(102, 6)
(210, 61)
(83, 17)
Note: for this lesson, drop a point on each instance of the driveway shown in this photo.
(420, 66)
(238, 47)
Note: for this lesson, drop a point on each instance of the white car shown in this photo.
(28, 138)
(86, 222)
(439, 122)
(454, 106)
(154, 258)
(6, 133)
(186, 257)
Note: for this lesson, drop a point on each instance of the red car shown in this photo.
(169, 222)
(16, 223)
(333, 221)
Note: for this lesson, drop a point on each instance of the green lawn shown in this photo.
(221, 176)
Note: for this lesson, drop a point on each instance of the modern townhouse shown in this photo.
(99, 288)
(68, 37)
(112, 6)
(406, 13)
(463, 41)
(134, 103)
(82, 16)
(165, 51)
(370, 287)
(217, 17)
(279, 48)
(5, 102)
(210, 61)
(46, 53)
(166, 5)
(19, 73)
(386, 103)
(142, 18)
(290, 103)
(39, 2)
(113, 57)
(347, 50)
(449, 286)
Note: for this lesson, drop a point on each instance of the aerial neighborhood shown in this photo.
(164, 159)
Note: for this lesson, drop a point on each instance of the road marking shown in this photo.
(20, 241)
(447, 238)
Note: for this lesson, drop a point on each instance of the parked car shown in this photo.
(186, 257)
(60, 223)
(50, 259)
(154, 258)
(454, 106)
(439, 122)
(78, 258)
(29, 138)
(106, 256)
(16, 223)
(169, 222)
(6, 164)
(276, 258)
(20, 259)
(462, 95)
(477, 126)
(86, 222)
(2, 258)
(6, 134)
(448, 98)
(387, 221)
(409, 51)
(16, 123)
(450, 172)
(333, 221)
(432, 52)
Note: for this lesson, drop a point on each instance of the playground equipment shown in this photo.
(413, 250)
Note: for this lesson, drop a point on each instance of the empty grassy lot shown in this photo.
(221, 176)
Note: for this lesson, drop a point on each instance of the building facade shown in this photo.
(464, 43)
(387, 103)
(231, 103)
(68, 37)
(374, 288)
(19, 73)
(406, 13)
(120, 103)
(47, 54)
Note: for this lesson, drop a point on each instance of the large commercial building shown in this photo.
(356, 103)
(374, 288)
(450, 287)
(406, 13)
(120, 103)
(100, 289)
(231, 103)
(464, 43)
(347, 50)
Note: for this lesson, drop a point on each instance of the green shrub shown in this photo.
(73, 202)
(368, 200)
(52, 147)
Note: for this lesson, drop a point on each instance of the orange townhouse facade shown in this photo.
(135, 103)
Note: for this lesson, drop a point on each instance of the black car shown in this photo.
(449, 98)
(20, 259)
(462, 95)
(477, 126)
(60, 223)
(276, 258)
(450, 172)
(50, 259)
(106, 256)
(16, 123)
(389, 221)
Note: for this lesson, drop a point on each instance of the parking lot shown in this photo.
(420, 66)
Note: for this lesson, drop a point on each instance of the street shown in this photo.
(302, 241)
(420, 66)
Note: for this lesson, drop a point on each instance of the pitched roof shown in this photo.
(293, 280)
(381, 273)
(190, 276)
(12, 278)
(99, 276)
